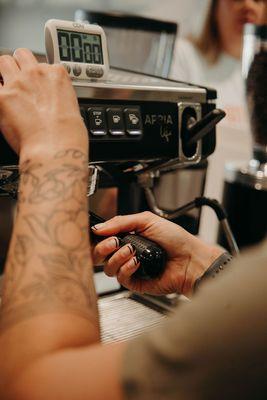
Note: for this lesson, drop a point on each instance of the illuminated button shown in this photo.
(67, 67)
(115, 121)
(97, 121)
(133, 121)
(94, 72)
(77, 70)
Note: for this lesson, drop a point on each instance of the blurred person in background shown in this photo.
(214, 58)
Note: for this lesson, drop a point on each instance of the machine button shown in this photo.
(115, 121)
(67, 68)
(77, 70)
(94, 72)
(133, 121)
(97, 121)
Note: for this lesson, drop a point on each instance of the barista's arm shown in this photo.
(48, 310)
(49, 321)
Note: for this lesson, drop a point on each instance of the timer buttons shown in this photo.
(67, 67)
(115, 121)
(133, 121)
(97, 121)
(94, 72)
(77, 70)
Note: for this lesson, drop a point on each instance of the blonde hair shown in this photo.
(209, 41)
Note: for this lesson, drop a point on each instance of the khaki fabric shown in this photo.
(214, 347)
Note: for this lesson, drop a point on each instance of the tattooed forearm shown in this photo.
(49, 267)
(65, 182)
(14, 276)
(63, 284)
(74, 153)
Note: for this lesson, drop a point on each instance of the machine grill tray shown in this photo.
(123, 317)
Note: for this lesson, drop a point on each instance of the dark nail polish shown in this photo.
(117, 242)
(131, 248)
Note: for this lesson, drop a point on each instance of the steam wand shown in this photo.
(197, 203)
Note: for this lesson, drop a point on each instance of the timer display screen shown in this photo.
(80, 47)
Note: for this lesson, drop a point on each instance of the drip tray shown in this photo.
(126, 315)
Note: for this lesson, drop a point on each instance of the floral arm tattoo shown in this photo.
(49, 267)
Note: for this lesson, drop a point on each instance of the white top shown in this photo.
(225, 76)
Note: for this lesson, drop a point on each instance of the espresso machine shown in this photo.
(139, 127)
(245, 190)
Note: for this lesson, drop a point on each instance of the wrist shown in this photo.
(214, 269)
(39, 151)
(47, 141)
(202, 256)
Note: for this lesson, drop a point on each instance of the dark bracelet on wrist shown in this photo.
(215, 269)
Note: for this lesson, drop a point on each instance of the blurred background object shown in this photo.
(137, 43)
(245, 189)
(213, 58)
(27, 16)
(255, 67)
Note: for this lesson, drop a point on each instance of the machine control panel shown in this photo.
(133, 121)
(135, 131)
(108, 122)
(95, 119)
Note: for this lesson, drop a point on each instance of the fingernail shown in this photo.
(98, 226)
(131, 247)
(113, 243)
(135, 261)
(117, 240)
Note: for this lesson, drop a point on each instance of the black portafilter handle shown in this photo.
(151, 256)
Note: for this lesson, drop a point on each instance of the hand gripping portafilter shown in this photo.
(151, 256)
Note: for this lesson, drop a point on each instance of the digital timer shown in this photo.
(80, 47)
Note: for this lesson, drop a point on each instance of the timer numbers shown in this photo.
(80, 47)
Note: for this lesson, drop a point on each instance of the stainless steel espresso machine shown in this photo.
(139, 126)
